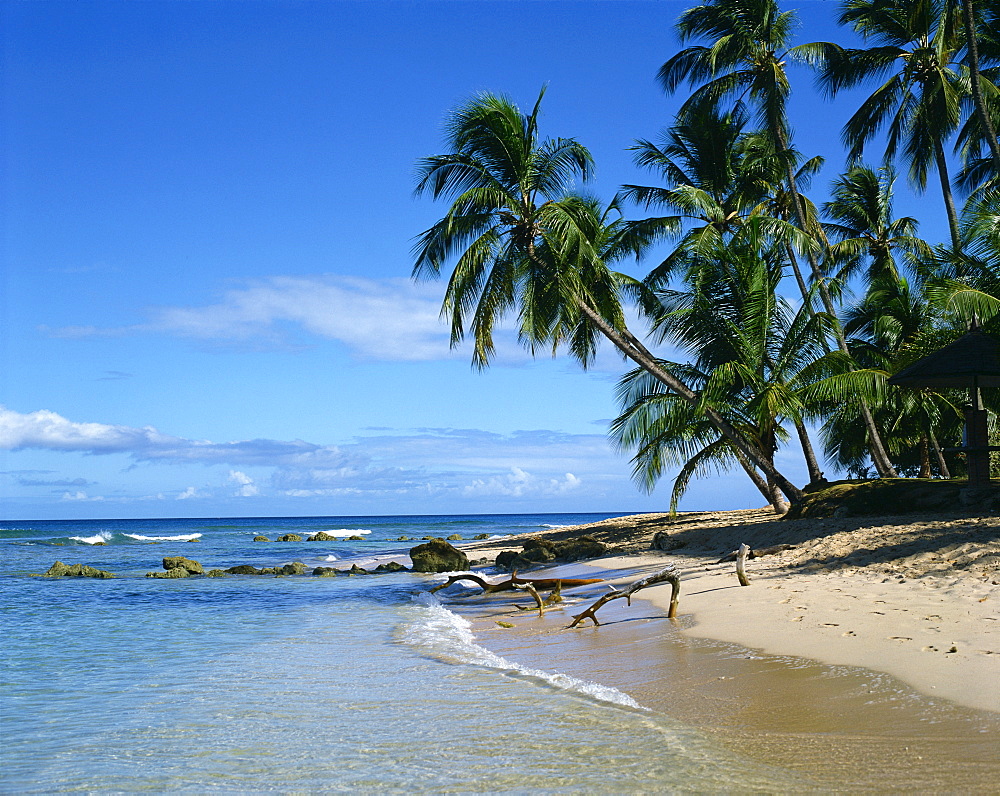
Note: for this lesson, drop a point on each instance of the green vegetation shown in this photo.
(790, 313)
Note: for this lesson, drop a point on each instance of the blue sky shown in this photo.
(208, 219)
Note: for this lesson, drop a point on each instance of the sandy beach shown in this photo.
(867, 653)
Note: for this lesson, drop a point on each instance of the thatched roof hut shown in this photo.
(971, 361)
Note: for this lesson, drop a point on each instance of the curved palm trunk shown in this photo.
(815, 474)
(634, 350)
(925, 457)
(879, 456)
(778, 502)
(939, 454)
(765, 489)
(803, 288)
(949, 199)
(976, 88)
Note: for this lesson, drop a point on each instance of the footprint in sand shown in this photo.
(929, 649)
(900, 638)
(850, 633)
(796, 619)
(830, 624)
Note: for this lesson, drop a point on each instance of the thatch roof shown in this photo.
(972, 359)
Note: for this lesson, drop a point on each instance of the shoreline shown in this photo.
(835, 662)
(918, 599)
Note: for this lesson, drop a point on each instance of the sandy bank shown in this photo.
(919, 600)
(864, 658)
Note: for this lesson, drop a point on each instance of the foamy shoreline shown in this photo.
(916, 598)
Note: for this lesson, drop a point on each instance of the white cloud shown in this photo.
(80, 496)
(519, 483)
(442, 464)
(247, 488)
(387, 320)
(45, 429)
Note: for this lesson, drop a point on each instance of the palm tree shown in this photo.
(967, 283)
(748, 349)
(978, 137)
(519, 242)
(971, 24)
(747, 57)
(715, 180)
(866, 234)
(666, 433)
(891, 327)
(917, 43)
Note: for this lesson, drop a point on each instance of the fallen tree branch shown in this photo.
(534, 593)
(766, 551)
(552, 599)
(511, 583)
(669, 575)
(741, 564)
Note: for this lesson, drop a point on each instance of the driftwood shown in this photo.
(534, 593)
(765, 551)
(669, 575)
(552, 599)
(514, 581)
(741, 564)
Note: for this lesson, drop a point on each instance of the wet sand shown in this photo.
(864, 658)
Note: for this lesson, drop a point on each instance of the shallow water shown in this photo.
(250, 683)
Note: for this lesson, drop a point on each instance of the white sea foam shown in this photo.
(543, 525)
(348, 532)
(103, 536)
(184, 537)
(331, 557)
(445, 633)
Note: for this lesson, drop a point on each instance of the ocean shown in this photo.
(300, 683)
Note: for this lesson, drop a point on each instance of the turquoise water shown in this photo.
(298, 684)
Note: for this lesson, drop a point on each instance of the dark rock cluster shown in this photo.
(542, 551)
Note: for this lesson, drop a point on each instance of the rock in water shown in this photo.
(289, 537)
(295, 568)
(438, 556)
(243, 569)
(390, 566)
(61, 570)
(321, 536)
(173, 572)
(261, 539)
(173, 562)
